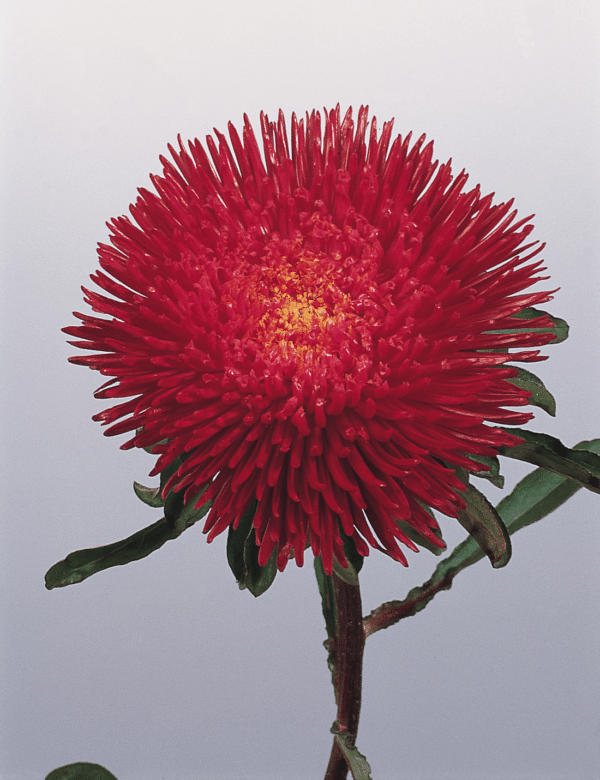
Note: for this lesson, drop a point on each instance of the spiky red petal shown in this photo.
(324, 328)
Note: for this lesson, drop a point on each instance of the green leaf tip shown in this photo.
(540, 396)
(82, 770)
(559, 328)
(148, 495)
(550, 453)
(242, 556)
(80, 565)
(492, 474)
(484, 524)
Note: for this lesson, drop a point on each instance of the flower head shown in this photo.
(321, 331)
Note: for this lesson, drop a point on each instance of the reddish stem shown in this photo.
(348, 658)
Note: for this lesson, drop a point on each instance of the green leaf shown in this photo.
(80, 565)
(358, 764)
(236, 541)
(258, 579)
(485, 526)
(242, 556)
(534, 497)
(539, 395)
(540, 493)
(493, 475)
(81, 771)
(543, 450)
(559, 329)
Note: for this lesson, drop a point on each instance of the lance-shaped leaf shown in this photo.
(357, 763)
(534, 497)
(485, 526)
(550, 453)
(80, 565)
(540, 396)
(81, 771)
(242, 556)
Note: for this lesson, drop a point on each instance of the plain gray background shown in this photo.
(164, 670)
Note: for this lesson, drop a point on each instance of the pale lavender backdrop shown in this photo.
(164, 670)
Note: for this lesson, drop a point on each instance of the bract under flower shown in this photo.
(323, 330)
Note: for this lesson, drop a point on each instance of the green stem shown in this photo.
(348, 648)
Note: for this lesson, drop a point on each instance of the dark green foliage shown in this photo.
(242, 555)
(81, 771)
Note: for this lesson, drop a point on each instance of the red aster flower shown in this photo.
(322, 331)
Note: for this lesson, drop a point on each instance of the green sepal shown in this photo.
(357, 763)
(242, 556)
(153, 496)
(148, 495)
(534, 497)
(349, 573)
(550, 453)
(540, 396)
(236, 542)
(352, 555)
(180, 516)
(485, 526)
(493, 475)
(81, 771)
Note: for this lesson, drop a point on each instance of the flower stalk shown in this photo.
(348, 649)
